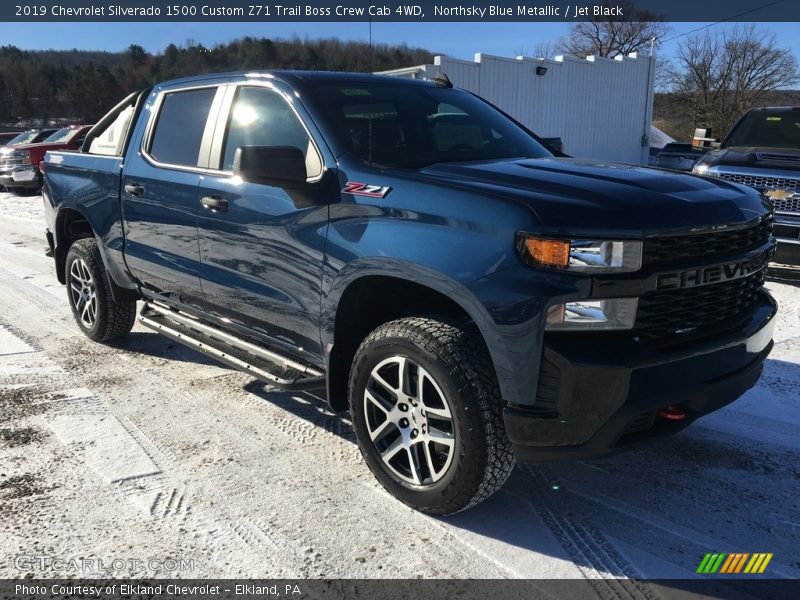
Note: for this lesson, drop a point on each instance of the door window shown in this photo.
(261, 117)
(180, 126)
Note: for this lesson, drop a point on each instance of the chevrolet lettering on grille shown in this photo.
(715, 274)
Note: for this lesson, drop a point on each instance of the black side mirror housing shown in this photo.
(281, 166)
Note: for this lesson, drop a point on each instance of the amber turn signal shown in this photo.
(554, 253)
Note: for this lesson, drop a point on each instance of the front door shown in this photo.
(261, 251)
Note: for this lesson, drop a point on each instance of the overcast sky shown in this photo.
(461, 40)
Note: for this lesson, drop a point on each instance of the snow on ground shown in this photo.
(151, 451)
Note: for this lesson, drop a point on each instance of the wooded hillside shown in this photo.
(81, 85)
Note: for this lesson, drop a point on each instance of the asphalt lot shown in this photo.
(152, 454)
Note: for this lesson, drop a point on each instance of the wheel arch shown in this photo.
(370, 295)
(70, 225)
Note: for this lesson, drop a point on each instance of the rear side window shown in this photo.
(180, 126)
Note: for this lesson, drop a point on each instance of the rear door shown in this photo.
(159, 191)
(261, 250)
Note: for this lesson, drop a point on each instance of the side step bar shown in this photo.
(265, 364)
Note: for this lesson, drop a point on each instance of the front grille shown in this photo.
(762, 182)
(697, 310)
(704, 247)
(766, 183)
(11, 161)
(791, 204)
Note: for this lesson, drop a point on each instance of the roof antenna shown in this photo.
(442, 80)
(370, 114)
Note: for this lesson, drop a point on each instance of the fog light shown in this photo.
(606, 314)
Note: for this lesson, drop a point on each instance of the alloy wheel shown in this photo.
(83, 292)
(409, 421)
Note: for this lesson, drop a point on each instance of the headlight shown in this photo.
(582, 256)
(700, 169)
(21, 157)
(703, 166)
(606, 314)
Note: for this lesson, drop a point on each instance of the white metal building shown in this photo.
(601, 108)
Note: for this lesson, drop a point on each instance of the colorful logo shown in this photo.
(730, 564)
(364, 189)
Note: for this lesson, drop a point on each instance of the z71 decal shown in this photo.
(363, 189)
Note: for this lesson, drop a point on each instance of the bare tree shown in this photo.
(541, 49)
(720, 75)
(609, 36)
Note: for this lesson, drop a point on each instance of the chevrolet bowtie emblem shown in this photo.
(777, 194)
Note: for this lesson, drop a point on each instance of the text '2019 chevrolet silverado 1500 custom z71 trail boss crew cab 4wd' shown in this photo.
(419, 256)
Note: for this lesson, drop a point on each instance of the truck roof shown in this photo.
(298, 77)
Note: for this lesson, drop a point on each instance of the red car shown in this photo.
(19, 165)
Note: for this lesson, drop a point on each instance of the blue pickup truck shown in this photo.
(415, 256)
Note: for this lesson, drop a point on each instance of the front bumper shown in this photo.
(600, 394)
(24, 176)
(787, 232)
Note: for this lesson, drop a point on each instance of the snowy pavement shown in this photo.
(151, 453)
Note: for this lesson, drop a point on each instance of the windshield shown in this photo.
(26, 137)
(768, 129)
(415, 126)
(61, 136)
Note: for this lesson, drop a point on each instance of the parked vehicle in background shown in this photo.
(763, 151)
(31, 136)
(415, 256)
(7, 136)
(19, 164)
(679, 157)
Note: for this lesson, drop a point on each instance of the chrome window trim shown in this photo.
(217, 142)
(155, 111)
(204, 154)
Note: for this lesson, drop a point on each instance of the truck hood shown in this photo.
(571, 195)
(43, 146)
(778, 159)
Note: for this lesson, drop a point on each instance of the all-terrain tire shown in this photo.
(112, 320)
(457, 359)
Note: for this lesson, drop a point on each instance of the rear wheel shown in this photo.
(96, 312)
(428, 416)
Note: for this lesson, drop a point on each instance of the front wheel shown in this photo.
(427, 414)
(96, 312)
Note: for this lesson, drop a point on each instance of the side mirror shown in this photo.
(282, 166)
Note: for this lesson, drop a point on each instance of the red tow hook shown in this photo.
(673, 412)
